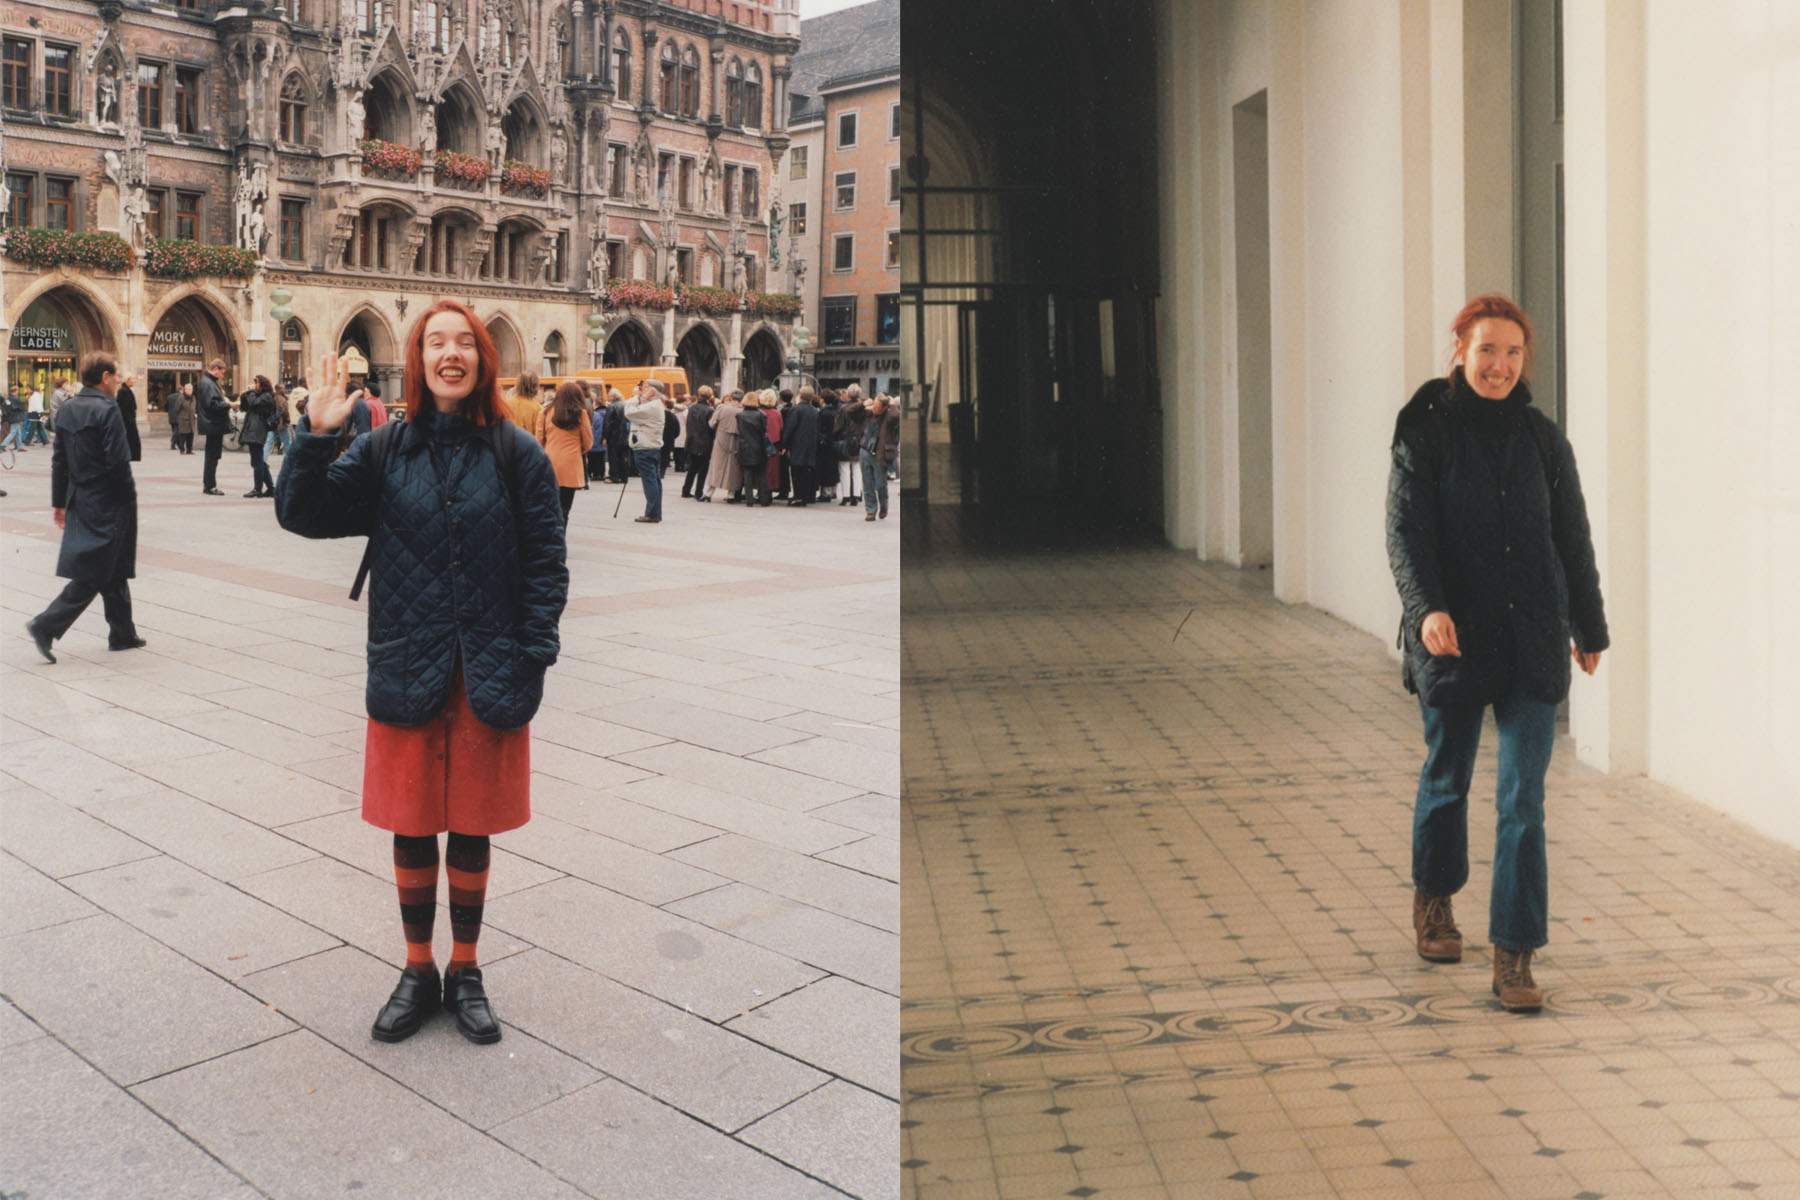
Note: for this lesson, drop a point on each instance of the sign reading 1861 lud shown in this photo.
(175, 350)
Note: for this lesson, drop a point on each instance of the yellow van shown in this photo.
(626, 379)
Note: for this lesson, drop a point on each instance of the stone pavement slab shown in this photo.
(221, 844)
(613, 1141)
(811, 935)
(822, 1133)
(837, 1025)
(680, 961)
(682, 1059)
(337, 994)
(215, 776)
(59, 839)
(70, 1131)
(836, 889)
(126, 1003)
(328, 1108)
(726, 810)
(205, 920)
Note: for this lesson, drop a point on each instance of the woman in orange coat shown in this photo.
(564, 431)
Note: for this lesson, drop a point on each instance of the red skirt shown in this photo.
(450, 773)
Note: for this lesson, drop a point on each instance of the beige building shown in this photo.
(846, 125)
(171, 168)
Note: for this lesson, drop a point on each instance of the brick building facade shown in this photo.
(371, 156)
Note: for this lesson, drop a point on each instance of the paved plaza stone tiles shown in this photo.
(692, 948)
(1156, 933)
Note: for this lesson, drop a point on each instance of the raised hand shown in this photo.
(327, 405)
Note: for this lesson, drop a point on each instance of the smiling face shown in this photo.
(451, 358)
(1493, 357)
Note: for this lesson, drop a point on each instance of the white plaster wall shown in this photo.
(1355, 301)
(1722, 353)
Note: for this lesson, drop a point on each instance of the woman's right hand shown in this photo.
(327, 406)
(1438, 632)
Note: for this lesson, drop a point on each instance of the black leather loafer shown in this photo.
(41, 639)
(131, 643)
(415, 998)
(466, 1000)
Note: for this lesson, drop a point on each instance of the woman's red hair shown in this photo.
(1495, 306)
(482, 405)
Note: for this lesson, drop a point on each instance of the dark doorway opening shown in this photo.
(1032, 409)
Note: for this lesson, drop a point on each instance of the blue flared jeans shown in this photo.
(1518, 905)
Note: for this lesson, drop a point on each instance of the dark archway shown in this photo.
(387, 113)
(1040, 329)
(698, 355)
(762, 360)
(187, 335)
(629, 347)
(459, 122)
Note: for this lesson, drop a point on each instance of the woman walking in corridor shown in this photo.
(1487, 535)
(467, 586)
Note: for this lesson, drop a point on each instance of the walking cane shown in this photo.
(623, 484)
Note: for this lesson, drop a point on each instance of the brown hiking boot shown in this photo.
(1439, 938)
(1513, 982)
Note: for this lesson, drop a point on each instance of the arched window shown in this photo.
(293, 110)
(690, 82)
(668, 74)
(734, 92)
(553, 354)
(621, 54)
(564, 49)
(753, 104)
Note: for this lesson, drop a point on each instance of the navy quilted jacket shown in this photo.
(455, 570)
(1478, 527)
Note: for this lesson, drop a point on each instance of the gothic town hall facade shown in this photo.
(593, 176)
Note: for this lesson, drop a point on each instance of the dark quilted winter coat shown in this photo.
(456, 570)
(1486, 521)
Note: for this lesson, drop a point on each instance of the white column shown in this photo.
(1605, 298)
(1287, 298)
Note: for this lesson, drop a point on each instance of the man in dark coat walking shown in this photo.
(128, 411)
(800, 440)
(215, 421)
(618, 439)
(94, 502)
(699, 443)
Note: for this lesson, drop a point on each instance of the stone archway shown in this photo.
(374, 338)
(629, 346)
(50, 335)
(698, 354)
(506, 341)
(762, 361)
(187, 335)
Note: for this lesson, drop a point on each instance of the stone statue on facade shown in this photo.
(709, 188)
(355, 116)
(596, 264)
(496, 144)
(135, 208)
(428, 128)
(559, 158)
(106, 95)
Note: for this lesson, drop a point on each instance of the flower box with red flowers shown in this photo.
(177, 258)
(518, 178)
(55, 247)
(390, 160)
(636, 293)
(458, 170)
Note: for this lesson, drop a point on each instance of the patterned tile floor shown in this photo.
(1156, 938)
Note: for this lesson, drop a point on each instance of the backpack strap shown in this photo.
(380, 442)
